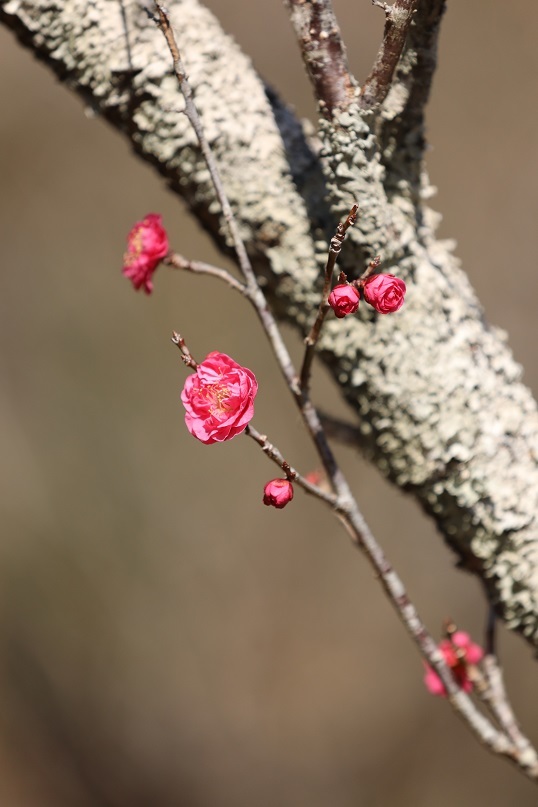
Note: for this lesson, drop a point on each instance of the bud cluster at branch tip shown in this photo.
(385, 293)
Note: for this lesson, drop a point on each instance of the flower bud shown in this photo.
(344, 299)
(277, 493)
(385, 293)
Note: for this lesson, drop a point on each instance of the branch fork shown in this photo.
(506, 740)
(499, 740)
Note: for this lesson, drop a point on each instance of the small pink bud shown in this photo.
(385, 293)
(459, 651)
(344, 299)
(277, 493)
(147, 245)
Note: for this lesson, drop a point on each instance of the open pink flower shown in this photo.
(147, 245)
(277, 493)
(385, 293)
(344, 299)
(459, 652)
(219, 399)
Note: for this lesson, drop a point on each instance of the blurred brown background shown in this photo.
(164, 638)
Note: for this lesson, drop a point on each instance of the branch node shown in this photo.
(186, 355)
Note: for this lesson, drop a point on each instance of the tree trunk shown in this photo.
(440, 407)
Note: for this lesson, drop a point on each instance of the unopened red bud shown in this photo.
(277, 493)
(344, 299)
(385, 293)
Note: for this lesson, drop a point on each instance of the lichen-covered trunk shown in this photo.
(438, 396)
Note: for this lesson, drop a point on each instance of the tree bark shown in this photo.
(441, 408)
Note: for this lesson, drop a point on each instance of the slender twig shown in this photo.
(497, 701)
(487, 680)
(372, 266)
(186, 355)
(334, 250)
(397, 21)
(403, 135)
(423, 40)
(345, 505)
(177, 261)
(323, 52)
(275, 455)
(196, 123)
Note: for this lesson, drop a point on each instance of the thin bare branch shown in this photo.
(334, 250)
(323, 52)
(423, 40)
(345, 505)
(186, 355)
(275, 455)
(496, 698)
(404, 132)
(397, 21)
(194, 119)
(372, 266)
(255, 294)
(177, 261)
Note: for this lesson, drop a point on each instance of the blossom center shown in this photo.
(136, 247)
(218, 396)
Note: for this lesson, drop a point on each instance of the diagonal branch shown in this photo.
(343, 504)
(276, 456)
(194, 119)
(423, 41)
(404, 131)
(398, 18)
(323, 52)
(311, 340)
(254, 292)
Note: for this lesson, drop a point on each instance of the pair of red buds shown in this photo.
(385, 293)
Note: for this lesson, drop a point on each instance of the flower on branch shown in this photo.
(344, 299)
(219, 399)
(459, 652)
(147, 245)
(277, 493)
(385, 293)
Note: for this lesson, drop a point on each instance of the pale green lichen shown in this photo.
(422, 382)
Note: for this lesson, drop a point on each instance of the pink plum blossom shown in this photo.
(147, 245)
(219, 399)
